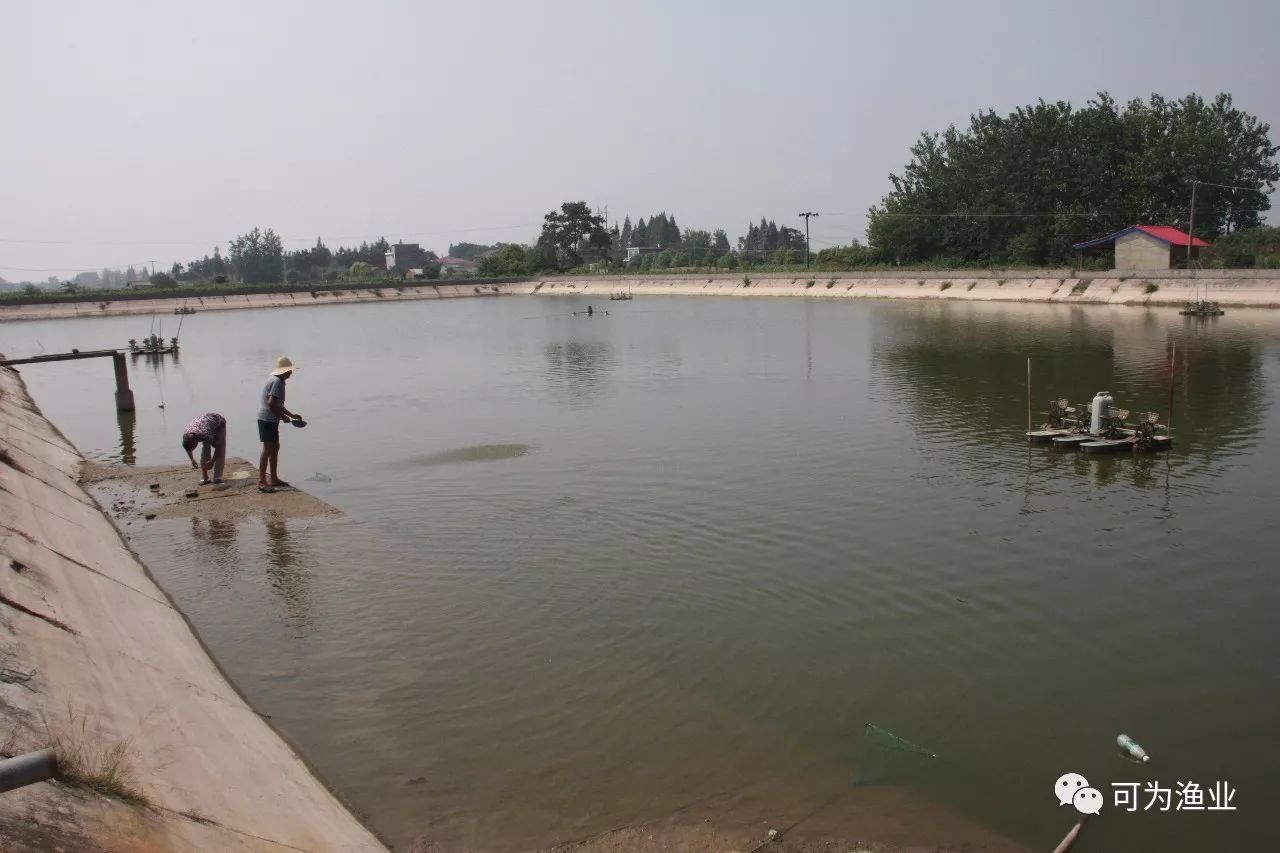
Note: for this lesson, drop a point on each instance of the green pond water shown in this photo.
(597, 571)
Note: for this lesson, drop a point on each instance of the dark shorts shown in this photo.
(269, 432)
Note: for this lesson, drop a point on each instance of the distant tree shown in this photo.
(695, 239)
(1060, 174)
(790, 238)
(220, 279)
(176, 271)
(662, 231)
(468, 251)
(640, 235)
(536, 259)
(130, 275)
(720, 242)
(431, 266)
(360, 270)
(256, 256)
(625, 236)
(572, 233)
(321, 257)
(30, 289)
(728, 260)
(163, 280)
(510, 260)
(771, 241)
(70, 287)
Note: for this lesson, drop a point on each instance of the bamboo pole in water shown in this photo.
(1070, 838)
(1028, 399)
(1173, 360)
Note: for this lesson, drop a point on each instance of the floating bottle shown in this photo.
(1131, 748)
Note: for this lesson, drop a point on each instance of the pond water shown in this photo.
(596, 570)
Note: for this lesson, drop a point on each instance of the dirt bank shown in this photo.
(161, 751)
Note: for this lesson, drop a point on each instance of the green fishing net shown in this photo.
(885, 757)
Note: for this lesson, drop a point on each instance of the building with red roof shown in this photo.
(1148, 247)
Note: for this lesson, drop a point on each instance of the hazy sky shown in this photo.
(152, 130)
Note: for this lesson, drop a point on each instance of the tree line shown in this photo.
(1020, 189)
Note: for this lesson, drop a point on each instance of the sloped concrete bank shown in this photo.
(96, 660)
(292, 299)
(1234, 288)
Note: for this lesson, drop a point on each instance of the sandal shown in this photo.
(267, 490)
(281, 484)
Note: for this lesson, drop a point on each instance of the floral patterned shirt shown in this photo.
(205, 427)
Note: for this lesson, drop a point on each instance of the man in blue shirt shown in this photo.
(270, 414)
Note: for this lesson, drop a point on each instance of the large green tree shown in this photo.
(256, 256)
(573, 234)
(511, 259)
(1022, 188)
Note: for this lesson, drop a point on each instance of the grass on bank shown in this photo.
(86, 760)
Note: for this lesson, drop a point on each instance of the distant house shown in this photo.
(449, 265)
(142, 284)
(406, 256)
(637, 251)
(1148, 247)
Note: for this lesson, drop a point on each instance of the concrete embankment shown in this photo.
(161, 751)
(292, 299)
(1234, 288)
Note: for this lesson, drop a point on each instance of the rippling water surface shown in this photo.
(597, 569)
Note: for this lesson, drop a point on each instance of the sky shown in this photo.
(154, 130)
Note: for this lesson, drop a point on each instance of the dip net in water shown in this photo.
(887, 757)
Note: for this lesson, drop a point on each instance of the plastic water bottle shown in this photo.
(1134, 751)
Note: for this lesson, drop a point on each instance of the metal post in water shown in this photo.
(27, 769)
(124, 396)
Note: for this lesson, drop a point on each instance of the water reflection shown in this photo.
(128, 423)
(286, 570)
(221, 553)
(217, 532)
(579, 368)
(963, 372)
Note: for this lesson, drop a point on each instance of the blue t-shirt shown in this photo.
(273, 388)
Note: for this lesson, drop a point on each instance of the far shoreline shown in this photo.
(1133, 288)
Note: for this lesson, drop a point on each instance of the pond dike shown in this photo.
(96, 661)
(165, 304)
(1231, 288)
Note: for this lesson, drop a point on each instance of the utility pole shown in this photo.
(153, 269)
(806, 216)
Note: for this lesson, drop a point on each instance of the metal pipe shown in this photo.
(26, 769)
